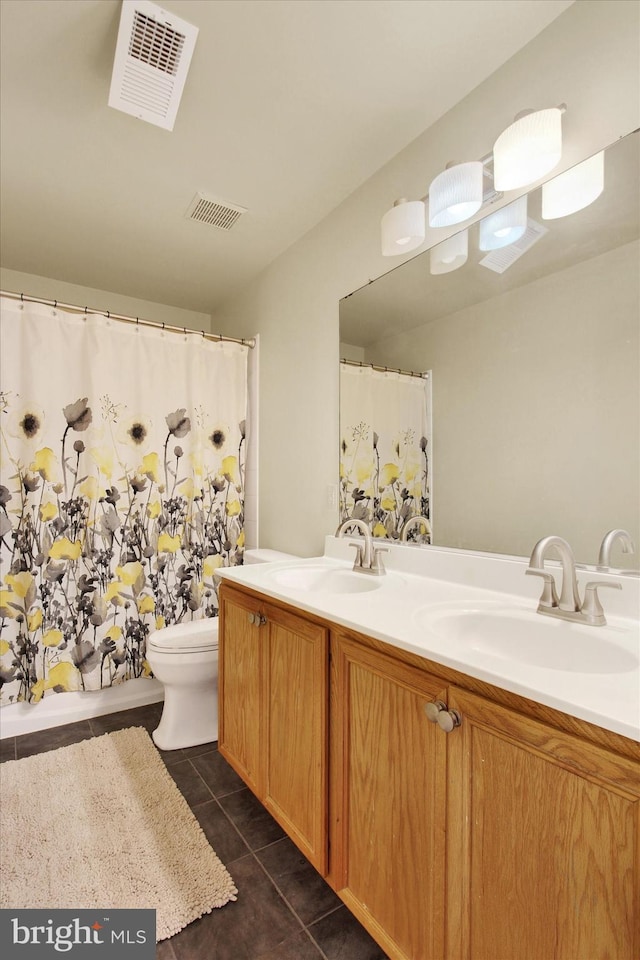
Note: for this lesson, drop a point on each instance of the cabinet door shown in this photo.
(295, 726)
(240, 650)
(543, 842)
(388, 800)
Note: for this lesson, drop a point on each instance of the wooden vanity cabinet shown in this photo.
(273, 668)
(504, 838)
(543, 841)
(513, 836)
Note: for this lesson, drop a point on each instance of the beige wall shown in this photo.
(536, 410)
(46, 288)
(587, 58)
(349, 352)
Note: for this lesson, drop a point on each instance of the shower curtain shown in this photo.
(385, 450)
(121, 491)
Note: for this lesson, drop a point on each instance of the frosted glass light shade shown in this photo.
(403, 227)
(528, 149)
(505, 226)
(450, 254)
(456, 194)
(574, 189)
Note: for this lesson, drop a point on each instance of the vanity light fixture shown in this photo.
(574, 189)
(403, 227)
(528, 149)
(456, 194)
(505, 226)
(450, 254)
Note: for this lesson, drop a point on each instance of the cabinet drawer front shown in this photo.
(542, 842)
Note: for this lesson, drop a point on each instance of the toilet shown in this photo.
(184, 658)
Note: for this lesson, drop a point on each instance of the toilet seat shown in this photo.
(193, 636)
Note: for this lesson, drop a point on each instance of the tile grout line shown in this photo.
(285, 901)
(230, 821)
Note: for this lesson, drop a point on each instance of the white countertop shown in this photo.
(402, 609)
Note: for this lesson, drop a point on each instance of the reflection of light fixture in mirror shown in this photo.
(505, 226)
(403, 227)
(450, 254)
(456, 194)
(574, 189)
(528, 149)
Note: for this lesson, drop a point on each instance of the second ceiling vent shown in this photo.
(153, 54)
(216, 213)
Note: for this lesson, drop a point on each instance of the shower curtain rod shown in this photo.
(406, 373)
(215, 337)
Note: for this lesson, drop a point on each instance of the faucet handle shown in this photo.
(591, 606)
(548, 597)
(377, 563)
(357, 563)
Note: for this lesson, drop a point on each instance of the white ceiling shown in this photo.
(288, 107)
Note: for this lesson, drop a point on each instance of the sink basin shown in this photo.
(319, 578)
(522, 635)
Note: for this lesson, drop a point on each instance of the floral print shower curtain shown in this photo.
(385, 450)
(121, 491)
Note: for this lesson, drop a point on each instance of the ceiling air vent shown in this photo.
(214, 212)
(500, 260)
(153, 54)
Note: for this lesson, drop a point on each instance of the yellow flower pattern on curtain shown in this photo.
(116, 507)
(385, 450)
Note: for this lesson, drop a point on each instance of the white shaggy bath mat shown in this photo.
(100, 824)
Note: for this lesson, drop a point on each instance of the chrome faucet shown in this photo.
(569, 606)
(413, 522)
(368, 559)
(607, 543)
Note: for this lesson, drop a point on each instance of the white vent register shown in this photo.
(217, 213)
(153, 54)
(504, 257)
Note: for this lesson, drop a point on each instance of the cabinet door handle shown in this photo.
(257, 619)
(434, 709)
(252, 618)
(437, 712)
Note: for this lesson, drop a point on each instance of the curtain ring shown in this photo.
(203, 337)
(108, 315)
(55, 304)
(22, 298)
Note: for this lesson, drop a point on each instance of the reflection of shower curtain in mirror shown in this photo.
(121, 491)
(385, 450)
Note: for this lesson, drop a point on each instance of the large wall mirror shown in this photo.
(535, 373)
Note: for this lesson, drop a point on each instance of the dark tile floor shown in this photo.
(284, 910)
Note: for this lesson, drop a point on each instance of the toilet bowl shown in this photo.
(184, 658)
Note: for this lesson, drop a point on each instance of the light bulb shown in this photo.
(450, 254)
(403, 227)
(527, 150)
(574, 189)
(456, 194)
(505, 226)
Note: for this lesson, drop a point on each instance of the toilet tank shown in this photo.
(263, 555)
